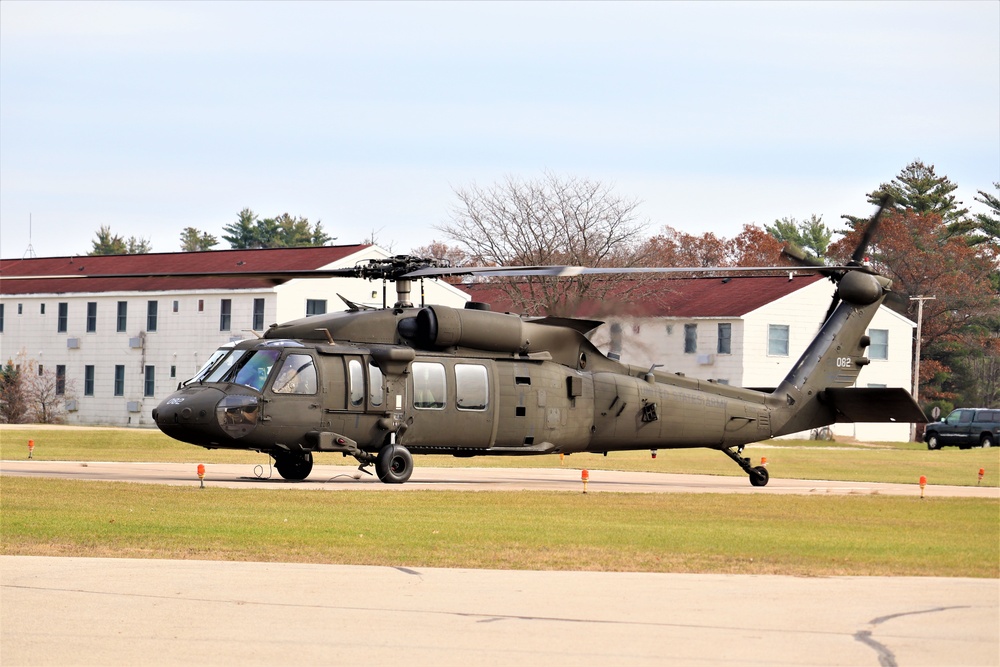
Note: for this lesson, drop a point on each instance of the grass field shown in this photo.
(800, 535)
(809, 536)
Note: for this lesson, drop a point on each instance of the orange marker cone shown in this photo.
(201, 474)
(31, 449)
(982, 471)
(923, 483)
(585, 477)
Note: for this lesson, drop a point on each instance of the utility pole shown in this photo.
(916, 362)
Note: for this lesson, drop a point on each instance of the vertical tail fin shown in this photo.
(833, 359)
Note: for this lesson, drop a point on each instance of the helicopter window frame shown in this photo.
(430, 385)
(472, 387)
(296, 376)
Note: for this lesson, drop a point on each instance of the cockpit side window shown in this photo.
(357, 375)
(376, 390)
(296, 376)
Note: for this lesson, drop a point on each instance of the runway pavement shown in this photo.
(85, 611)
(468, 479)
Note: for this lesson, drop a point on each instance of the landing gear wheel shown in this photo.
(933, 442)
(394, 464)
(759, 476)
(294, 467)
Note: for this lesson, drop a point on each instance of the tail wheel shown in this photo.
(759, 476)
(294, 467)
(394, 464)
(933, 442)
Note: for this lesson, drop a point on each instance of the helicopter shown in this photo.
(384, 384)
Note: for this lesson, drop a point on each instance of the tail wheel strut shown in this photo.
(758, 475)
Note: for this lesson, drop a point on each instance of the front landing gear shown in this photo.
(758, 475)
(293, 466)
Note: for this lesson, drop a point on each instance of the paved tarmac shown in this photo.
(469, 479)
(87, 611)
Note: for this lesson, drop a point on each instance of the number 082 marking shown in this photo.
(843, 362)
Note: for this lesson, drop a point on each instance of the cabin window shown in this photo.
(254, 372)
(725, 338)
(429, 388)
(879, 347)
(357, 376)
(376, 391)
(690, 338)
(296, 376)
(777, 340)
(471, 387)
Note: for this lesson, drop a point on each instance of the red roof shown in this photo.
(236, 261)
(677, 297)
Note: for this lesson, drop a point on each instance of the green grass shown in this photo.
(759, 534)
(898, 462)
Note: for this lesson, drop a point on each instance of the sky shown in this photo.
(151, 117)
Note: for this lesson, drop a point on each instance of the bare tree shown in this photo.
(14, 403)
(573, 221)
(47, 396)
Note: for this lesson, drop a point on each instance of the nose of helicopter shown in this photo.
(207, 416)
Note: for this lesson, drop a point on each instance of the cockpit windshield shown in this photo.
(224, 366)
(208, 366)
(254, 371)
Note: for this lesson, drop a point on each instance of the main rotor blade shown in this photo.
(870, 229)
(570, 271)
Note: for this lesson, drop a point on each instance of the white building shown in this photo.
(123, 344)
(745, 331)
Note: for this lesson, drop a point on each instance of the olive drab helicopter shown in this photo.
(382, 385)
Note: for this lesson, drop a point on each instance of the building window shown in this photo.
(122, 320)
(20, 308)
(91, 316)
(151, 309)
(41, 370)
(1, 318)
(315, 307)
(201, 305)
(88, 380)
(177, 305)
(173, 371)
(725, 338)
(226, 315)
(777, 340)
(62, 318)
(149, 381)
(60, 380)
(690, 338)
(258, 315)
(41, 309)
(119, 380)
(879, 347)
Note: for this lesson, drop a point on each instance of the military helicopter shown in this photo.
(382, 385)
